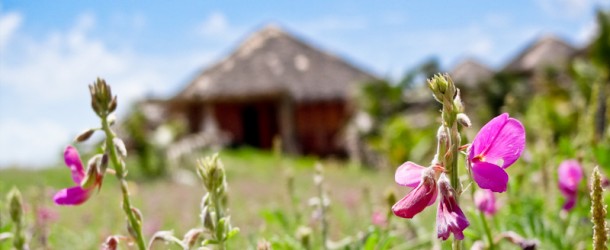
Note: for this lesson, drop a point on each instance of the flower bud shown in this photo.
(443, 88)
(103, 164)
(191, 237)
(303, 234)
(111, 119)
(137, 213)
(15, 205)
(263, 245)
(444, 185)
(441, 134)
(120, 146)
(113, 104)
(463, 120)
(92, 174)
(211, 171)
(206, 217)
(318, 177)
(458, 105)
(85, 135)
(101, 96)
(390, 197)
(111, 243)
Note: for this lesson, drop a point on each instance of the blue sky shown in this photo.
(50, 50)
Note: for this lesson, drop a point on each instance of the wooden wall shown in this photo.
(230, 118)
(318, 125)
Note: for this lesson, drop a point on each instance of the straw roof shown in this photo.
(470, 73)
(272, 62)
(548, 51)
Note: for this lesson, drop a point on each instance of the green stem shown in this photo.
(456, 245)
(119, 167)
(454, 176)
(450, 159)
(487, 230)
(323, 216)
(218, 212)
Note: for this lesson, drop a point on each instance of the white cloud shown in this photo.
(587, 33)
(216, 26)
(9, 23)
(215, 23)
(50, 73)
(31, 144)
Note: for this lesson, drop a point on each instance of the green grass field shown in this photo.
(258, 194)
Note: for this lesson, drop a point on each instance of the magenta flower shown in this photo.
(75, 195)
(449, 216)
(379, 219)
(424, 193)
(485, 201)
(570, 174)
(497, 146)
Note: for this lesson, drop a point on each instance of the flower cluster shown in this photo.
(86, 181)
(570, 175)
(497, 146)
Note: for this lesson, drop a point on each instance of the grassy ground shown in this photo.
(258, 197)
(260, 205)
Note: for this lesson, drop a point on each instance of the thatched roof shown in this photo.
(272, 62)
(548, 51)
(470, 73)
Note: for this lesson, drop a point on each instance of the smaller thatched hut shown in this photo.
(544, 53)
(272, 85)
(470, 73)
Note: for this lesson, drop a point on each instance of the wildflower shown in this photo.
(497, 146)
(449, 216)
(76, 195)
(424, 193)
(570, 174)
(485, 201)
(379, 219)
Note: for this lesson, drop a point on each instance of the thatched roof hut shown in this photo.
(546, 52)
(273, 62)
(274, 84)
(469, 73)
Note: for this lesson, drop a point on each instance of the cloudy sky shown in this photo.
(51, 49)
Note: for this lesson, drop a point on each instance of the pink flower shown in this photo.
(75, 195)
(449, 216)
(570, 174)
(379, 219)
(485, 201)
(424, 193)
(46, 214)
(497, 146)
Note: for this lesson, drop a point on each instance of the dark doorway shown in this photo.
(250, 125)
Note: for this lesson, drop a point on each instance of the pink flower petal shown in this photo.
(72, 196)
(416, 200)
(570, 175)
(408, 174)
(74, 163)
(449, 215)
(508, 145)
(487, 134)
(485, 201)
(501, 141)
(489, 176)
(570, 202)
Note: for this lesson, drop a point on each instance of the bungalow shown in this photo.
(274, 84)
